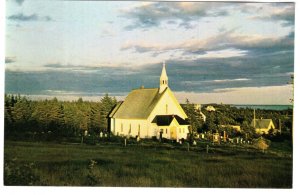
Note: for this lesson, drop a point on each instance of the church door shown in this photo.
(173, 133)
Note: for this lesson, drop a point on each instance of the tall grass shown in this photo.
(151, 164)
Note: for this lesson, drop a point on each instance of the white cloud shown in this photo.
(195, 83)
(153, 14)
(225, 53)
(231, 80)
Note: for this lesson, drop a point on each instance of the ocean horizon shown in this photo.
(264, 107)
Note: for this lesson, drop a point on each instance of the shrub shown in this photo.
(19, 175)
(262, 144)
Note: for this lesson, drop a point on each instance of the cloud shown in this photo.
(153, 14)
(108, 32)
(19, 2)
(57, 65)
(71, 67)
(231, 80)
(9, 60)
(91, 69)
(224, 45)
(198, 76)
(22, 17)
(26, 18)
(274, 12)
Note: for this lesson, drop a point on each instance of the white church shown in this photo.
(150, 112)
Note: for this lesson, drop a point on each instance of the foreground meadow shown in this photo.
(146, 164)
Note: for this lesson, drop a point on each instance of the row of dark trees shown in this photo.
(53, 119)
(230, 115)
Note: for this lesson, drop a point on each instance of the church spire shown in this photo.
(163, 79)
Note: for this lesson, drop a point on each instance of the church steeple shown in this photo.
(163, 79)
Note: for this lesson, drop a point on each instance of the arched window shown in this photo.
(166, 108)
(121, 127)
(139, 130)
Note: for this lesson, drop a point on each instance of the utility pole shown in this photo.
(280, 126)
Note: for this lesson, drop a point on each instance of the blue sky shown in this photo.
(215, 51)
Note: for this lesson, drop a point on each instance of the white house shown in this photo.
(153, 112)
(210, 108)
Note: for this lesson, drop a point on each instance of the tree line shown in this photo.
(54, 119)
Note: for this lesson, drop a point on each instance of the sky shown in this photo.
(215, 52)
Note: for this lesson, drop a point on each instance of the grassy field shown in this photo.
(146, 164)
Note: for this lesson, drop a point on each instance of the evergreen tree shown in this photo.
(107, 103)
(95, 118)
(21, 115)
(55, 117)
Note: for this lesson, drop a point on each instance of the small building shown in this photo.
(210, 108)
(262, 125)
(235, 127)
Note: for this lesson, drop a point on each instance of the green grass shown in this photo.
(146, 164)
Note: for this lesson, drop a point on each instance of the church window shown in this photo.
(179, 130)
(139, 129)
(166, 108)
(183, 130)
(129, 128)
(121, 127)
(166, 131)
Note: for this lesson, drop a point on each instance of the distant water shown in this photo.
(266, 107)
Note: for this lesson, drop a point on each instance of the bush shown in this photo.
(19, 175)
(262, 144)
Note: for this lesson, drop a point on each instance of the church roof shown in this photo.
(165, 120)
(138, 104)
(261, 123)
